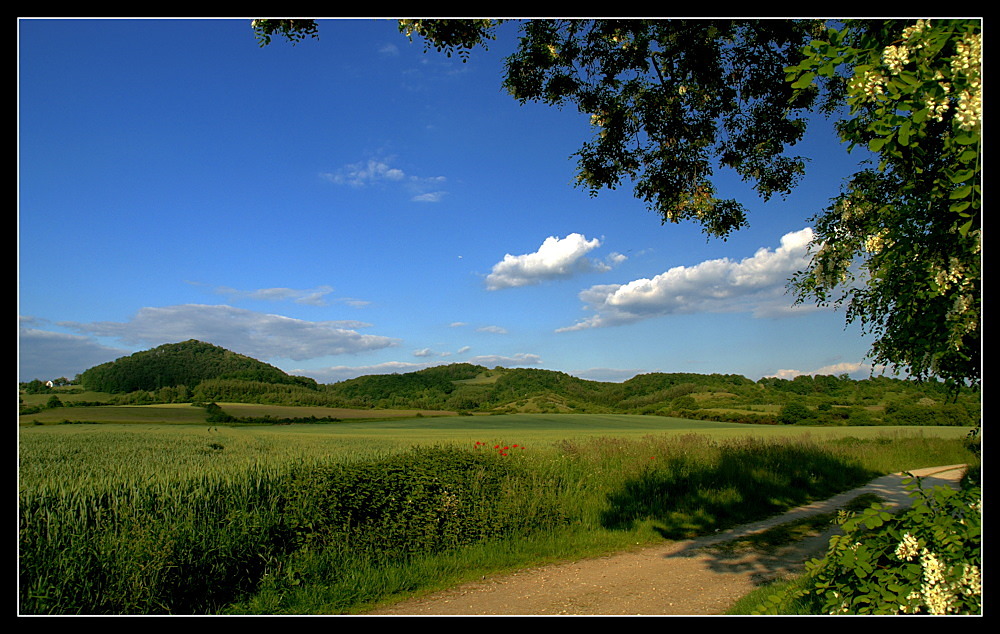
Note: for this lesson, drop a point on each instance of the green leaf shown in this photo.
(961, 177)
(875, 145)
(961, 192)
(804, 80)
(967, 138)
(904, 134)
(968, 156)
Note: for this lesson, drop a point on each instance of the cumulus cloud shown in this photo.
(555, 258)
(259, 335)
(853, 370)
(755, 284)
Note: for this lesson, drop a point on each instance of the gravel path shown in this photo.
(678, 578)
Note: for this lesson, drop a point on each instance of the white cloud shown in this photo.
(365, 173)
(429, 197)
(854, 370)
(46, 355)
(493, 360)
(609, 375)
(498, 330)
(309, 296)
(555, 258)
(375, 172)
(333, 374)
(259, 335)
(755, 284)
(306, 296)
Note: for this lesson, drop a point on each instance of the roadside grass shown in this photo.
(195, 519)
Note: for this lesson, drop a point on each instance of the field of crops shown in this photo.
(180, 518)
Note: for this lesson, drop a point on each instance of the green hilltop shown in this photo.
(187, 363)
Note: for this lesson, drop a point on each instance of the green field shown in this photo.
(327, 518)
(188, 413)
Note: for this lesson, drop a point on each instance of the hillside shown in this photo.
(722, 397)
(187, 363)
(207, 373)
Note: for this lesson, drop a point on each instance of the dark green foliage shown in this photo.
(428, 388)
(186, 363)
(916, 414)
(795, 413)
(35, 386)
(424, 501)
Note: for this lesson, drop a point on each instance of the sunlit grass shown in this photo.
(206, 501)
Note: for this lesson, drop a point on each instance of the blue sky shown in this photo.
(354, 205)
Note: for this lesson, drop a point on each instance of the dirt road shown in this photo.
(679, 578)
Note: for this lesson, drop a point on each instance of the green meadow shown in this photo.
(174, 517)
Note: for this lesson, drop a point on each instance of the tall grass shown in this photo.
(239, 520)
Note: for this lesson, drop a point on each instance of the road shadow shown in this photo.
(764, 565)
(693, 494)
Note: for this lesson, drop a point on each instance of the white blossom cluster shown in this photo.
(908, 548)
(895, 57)
(936, 594)
(871, 84)
(875, 244)
(968, 61)
(965, 67)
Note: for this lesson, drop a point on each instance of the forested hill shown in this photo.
(187, 363)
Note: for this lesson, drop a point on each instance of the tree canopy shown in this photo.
(672, 101)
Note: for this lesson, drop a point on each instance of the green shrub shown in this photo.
(794, 413)
(427, 500)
